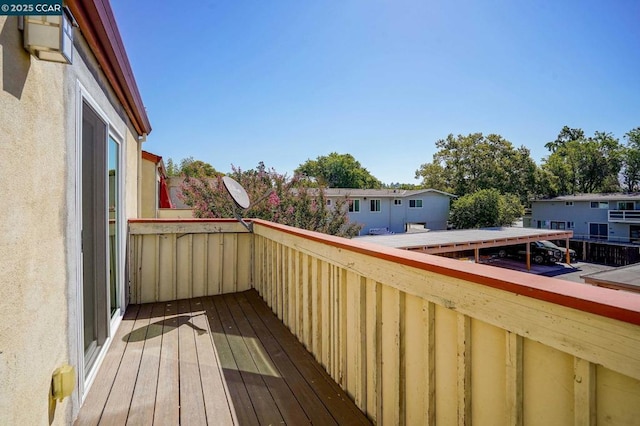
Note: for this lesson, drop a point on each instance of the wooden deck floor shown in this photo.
(213, 360)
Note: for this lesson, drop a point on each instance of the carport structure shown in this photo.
(440, 242)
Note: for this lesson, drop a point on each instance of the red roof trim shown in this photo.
(151, 157)
(97, 23)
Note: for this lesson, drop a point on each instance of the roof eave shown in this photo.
(98, 25)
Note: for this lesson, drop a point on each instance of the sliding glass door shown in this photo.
(94, 233)
(101, 203)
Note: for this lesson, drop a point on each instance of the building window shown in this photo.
(626, 205)
(599, 204)
(374, 205)
(415, 204)
(557, 225)
(354, 206)
(397, 202)
(568, 203)
(598, 231)
(328, 202)
(571, 225)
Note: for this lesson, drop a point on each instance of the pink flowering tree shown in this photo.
(274, 197)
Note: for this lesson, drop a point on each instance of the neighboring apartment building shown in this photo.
(394, 209)
(378, 210)
(72, 127)
(605, 217)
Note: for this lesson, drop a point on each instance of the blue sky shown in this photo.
(283, 81)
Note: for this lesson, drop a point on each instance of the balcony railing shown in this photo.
(414, 338)
(629, 216)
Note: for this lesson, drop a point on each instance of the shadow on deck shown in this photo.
(212, 360)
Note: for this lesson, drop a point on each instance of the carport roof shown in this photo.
(466, 239)
(627, 277)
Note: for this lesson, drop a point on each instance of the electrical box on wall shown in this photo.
(63, 382)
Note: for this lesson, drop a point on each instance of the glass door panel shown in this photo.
(114, 218)
(94, 233)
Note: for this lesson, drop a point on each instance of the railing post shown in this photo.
(514, 379)
(464, 369)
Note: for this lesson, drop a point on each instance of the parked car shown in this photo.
(541, 252)
(561, 252)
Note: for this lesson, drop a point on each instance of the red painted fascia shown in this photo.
(146, 155)
(98, 25)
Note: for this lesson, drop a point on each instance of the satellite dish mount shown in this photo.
(240, 200)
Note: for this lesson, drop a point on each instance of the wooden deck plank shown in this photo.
(335, 399)
(212, 360)
(167, 410)
(116, 409)
(144, 394)
(302, 392)
(289, 407)
(97, 397)
(192, 410)
(244, 412)
(215, 393)
(261, 399)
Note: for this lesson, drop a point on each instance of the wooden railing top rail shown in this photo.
(619, 305)
(186, 226)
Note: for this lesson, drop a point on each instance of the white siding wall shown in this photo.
(434, 212)
(581, 214)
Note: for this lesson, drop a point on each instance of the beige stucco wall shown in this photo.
(148, 189)
(132, 172)
(39, 250)
(33, 172)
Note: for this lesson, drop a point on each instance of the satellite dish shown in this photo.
(237, 192)
(239, 197)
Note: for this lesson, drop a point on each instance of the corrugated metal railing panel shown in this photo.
(181, 260)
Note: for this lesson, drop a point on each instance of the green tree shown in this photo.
(192, 168)
(197, 168)
(465, 164)
(172, 169)
(338, 171)
(403, 186)
(631, 161)
(566, 135)
(485, 208)
(584, 165)
(275, 197)
(435, 176)
(546, 183)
